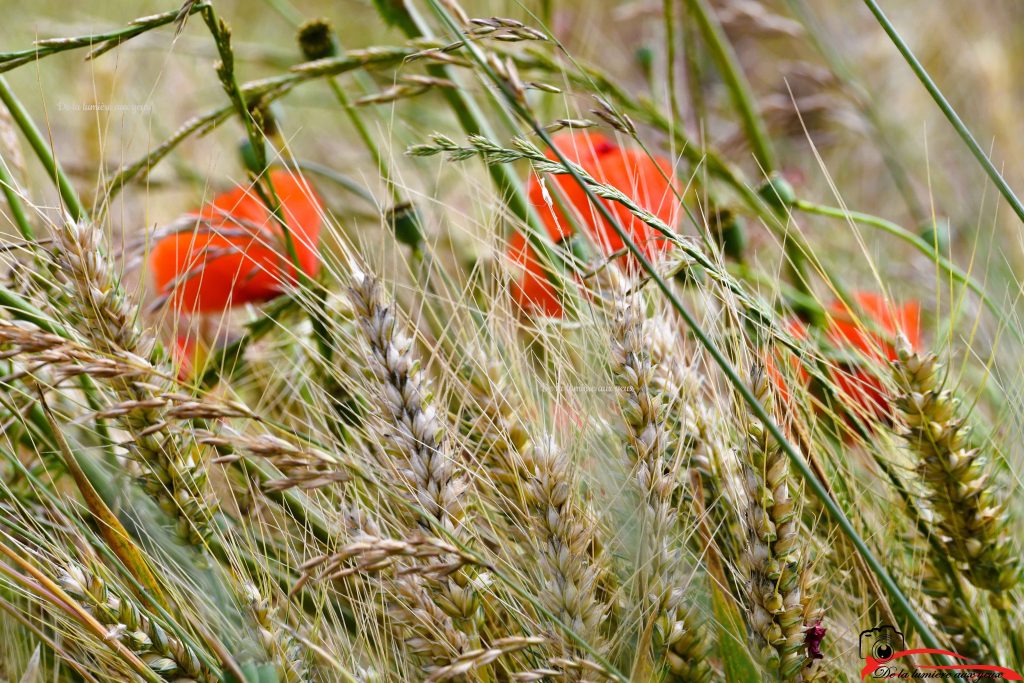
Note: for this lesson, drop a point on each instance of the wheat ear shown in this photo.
(162, 652)
(417, 441)
(971, 522)
(649, 398)
(773, 563)
(419, 624)
(286, 651)
(948, 612)
(172, 471)
(535, 486)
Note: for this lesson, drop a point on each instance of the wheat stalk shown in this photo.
(418, 442)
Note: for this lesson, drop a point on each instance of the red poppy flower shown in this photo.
(649, 182)
(858, 383)
(236, 251)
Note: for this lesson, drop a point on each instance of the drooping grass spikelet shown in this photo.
(971, 521)
(166, 655)
(773, 562)
(172, 471)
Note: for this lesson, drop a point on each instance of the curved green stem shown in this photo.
(913, 240)
(42, 149)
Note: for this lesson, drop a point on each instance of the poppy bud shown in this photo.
(249, 157)
(316, 39)
(728, 231)
(644, 57)
(404, 220)
(778, 193)
(936, 234)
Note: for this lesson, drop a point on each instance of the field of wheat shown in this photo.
(511, 340)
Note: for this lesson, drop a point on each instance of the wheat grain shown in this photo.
(287, 652)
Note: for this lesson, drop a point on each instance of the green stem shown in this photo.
(947, 110)
(43, 151)
(364, 134)
(886, 144)
(668, 14)
(14, 202)
(735, 80)
(225, 70)
(694, 73)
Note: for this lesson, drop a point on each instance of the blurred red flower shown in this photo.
(649, 182)
(236, 251)
(869, 343)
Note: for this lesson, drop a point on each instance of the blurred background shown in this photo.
(159, 82)
(850, 123)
